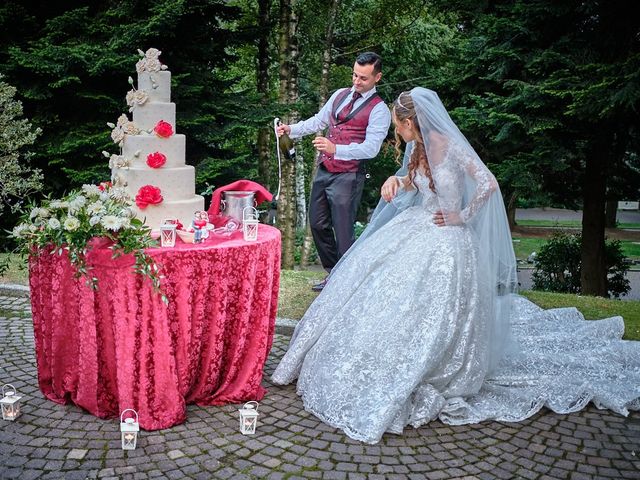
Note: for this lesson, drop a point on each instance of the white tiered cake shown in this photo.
(152, 165)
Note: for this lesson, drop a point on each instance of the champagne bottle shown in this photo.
(287, 148)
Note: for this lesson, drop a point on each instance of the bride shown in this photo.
(420, 319)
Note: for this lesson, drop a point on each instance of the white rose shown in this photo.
(153, 65)
(54, 223)
(140, 66)
(117, 135)
(95, 220)
(130, 128)
(19, 230)
(122, 119)
(71, 224)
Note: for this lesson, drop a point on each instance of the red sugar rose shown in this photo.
(163, 129)
(148, 195)
(156, 160)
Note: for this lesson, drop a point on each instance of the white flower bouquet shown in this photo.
(70, 223)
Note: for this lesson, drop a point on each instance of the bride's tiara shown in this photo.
(400, 103)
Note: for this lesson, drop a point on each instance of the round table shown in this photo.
(121, 346)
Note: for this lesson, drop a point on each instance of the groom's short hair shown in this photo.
(370, 58)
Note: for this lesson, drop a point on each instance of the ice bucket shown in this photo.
(234, 203)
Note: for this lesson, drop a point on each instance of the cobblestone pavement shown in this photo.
(53, 441)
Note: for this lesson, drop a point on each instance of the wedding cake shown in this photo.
(151, 166)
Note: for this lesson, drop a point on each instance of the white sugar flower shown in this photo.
(118, 161)
(152, 53)
(117, 135)
(96, 208)
(95, 220)
(90, 190)
(104, 196)
(153, 65)
(122, 119)
(111, 222)
(119, 194)
(136, 97)
(71, 224)
(140, 65)
(130, 128)
(54, 223)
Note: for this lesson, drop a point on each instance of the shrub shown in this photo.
(558, 266)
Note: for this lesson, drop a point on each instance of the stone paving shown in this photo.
(51, 441)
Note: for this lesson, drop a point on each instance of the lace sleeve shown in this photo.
(486, 183)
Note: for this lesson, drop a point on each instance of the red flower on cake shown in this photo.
(163, 129)
(104, 185)
(148, 195)
(156, 160)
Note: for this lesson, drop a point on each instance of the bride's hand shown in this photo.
(446, 219)
(390, 188)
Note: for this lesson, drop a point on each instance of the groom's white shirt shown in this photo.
(379, 122)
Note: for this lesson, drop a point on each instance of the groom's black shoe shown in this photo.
(320, 285)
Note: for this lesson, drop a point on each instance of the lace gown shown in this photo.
(399, 337)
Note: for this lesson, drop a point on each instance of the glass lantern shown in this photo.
(129, 429)
(10, 402)
(168, 233)
(248, 418)
(250, 224)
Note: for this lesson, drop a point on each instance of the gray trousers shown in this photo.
(335, 198)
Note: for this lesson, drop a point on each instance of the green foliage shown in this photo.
(17, 178)
(558, 266)
(71, 62)
(76, 222)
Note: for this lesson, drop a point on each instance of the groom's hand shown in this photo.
(282, 128)
(323, 144)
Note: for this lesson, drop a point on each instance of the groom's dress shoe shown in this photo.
(319, 286)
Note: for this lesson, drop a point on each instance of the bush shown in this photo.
(558, 265)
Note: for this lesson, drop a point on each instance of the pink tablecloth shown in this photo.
(122, 347)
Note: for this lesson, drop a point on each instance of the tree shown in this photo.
(17, 178)
(550, 95)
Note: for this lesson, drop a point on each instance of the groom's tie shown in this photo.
(344, 113)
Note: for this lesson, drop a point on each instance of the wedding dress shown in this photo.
(411, 325)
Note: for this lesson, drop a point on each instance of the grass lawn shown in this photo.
(296, 295)
(523, 246)
(17, 272)
(565, 223)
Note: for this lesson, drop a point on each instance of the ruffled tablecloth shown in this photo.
(123, 347)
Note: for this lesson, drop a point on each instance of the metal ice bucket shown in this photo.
(234, 203)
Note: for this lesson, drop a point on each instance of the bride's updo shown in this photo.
(403, 109)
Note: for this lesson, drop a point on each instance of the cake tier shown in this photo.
(173, 148)
(146, 116)
(154, 215)
(156, 84)
(174, 183)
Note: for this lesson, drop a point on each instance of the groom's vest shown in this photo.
(351, 129)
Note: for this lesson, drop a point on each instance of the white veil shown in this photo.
(469, 194)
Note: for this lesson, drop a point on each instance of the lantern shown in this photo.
(250, 224)
(168, 233)
(129, 429)
(10, 402)
(248, 418)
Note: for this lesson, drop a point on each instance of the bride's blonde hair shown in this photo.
(403, 109)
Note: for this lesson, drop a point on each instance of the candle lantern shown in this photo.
(10, 402)
(248, 418)
(250, 224)
(168, 233)
(129, 429)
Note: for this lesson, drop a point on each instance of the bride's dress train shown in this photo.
(399, 337)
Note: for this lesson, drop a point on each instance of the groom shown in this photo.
(358, 121)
